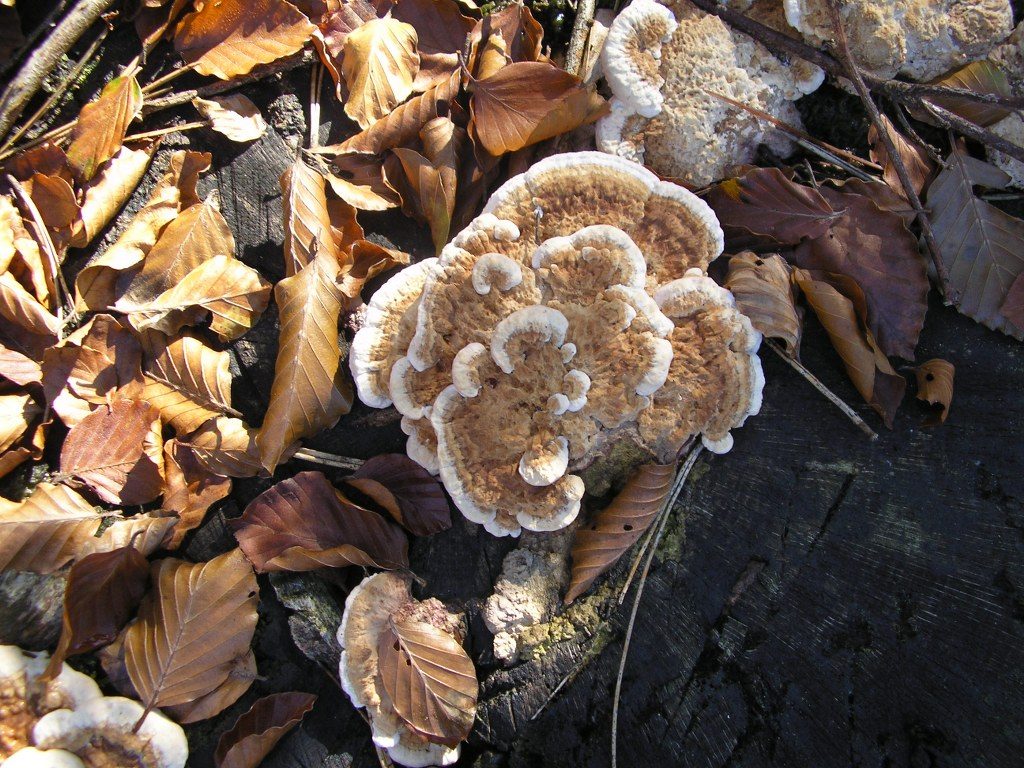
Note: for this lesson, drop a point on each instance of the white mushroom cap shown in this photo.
(68, 689)
(631, 53)
(496, 270)
(645, 305)
(30, 757)
(403, 390)
(159, 742)
(419, 448)
(547, 323)
(545, 466)
(575, 385)
(464, 369)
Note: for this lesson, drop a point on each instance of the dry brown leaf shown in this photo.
(23, 309)
(765, 294)
(307, 220)
(310, 391)
(110, 189)
(982, 77)
(174, 192)
(379, 65)
(492, 57)
(45, 158)
(869, 370)
(229, 37)
(368, 261)
(102, 126)
(430, 678)
(304, 523)
(103, 590)
(1012, 307)
(100, 358)
(510, 106)
(189, 490)
(17, 412)
(188, 382)
(55, 200)
(441, 32)
(19, 368)
(363, 186)
(919, 166)
(228, 447)
(433, 192)
(521, 32)
(410, 494)
(255, 733)
(233, 116)
(233, 294)
(26, 262)
(118, 452)
(153, 20)
(935, 387)
(403, 125)
(240, 678)
(192, 629)
(598, 546)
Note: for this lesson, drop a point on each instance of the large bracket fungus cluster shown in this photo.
(573, 313)
(66, 721)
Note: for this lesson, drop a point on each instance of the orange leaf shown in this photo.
(102, 125)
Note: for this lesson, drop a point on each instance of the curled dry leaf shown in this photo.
(981, 77)
(230, 37)
(875, 249)
(981, 246)
(310, 391)
(379, 66)
(176, 191)
(18, 368)
(234, 116)
(430, 679)
(307, 220)
(190, 489)
(764, 209)
(17, 412)
(103, 196)
(935, 387)
(410, 494)
(919, 166)
(304, 523)
(363, 186)
(232, 294)
(765, 294)
(255, 733)
(441, 30)
(102, 126)
(432, 192)
(118, 452)
(23, 258)
(103, 590)
(188, 382)
(869, 370)
(598, 546)
(20, 307)
(515, 23)
(58, 207)
(228, 447)
(193, 628)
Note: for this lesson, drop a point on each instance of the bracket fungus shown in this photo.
(67, 722)
(402, 660)
(666, 63)
(571, 315)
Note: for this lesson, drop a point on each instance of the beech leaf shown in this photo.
(190, 488)
(310, 391)
(20, 307)
(1013, 305)
(16, 413)
(765, 293)
(763, 210)
(919, 166)
(430, 679)
(935, 387)
(103, 590)
(304, 523)
(981, 77)
(616, 528)
(434, 191)
(229, 37)
(233, 116)
(257, 732)
(410, 494)
(118, 452)
(102, 125)
(19, 368)
(103, 196)
(981, 246)
(521, 32)
(307, 220)
(441, 31)
(189, 383)
(227, 447)
(379, 66)
(193, 628)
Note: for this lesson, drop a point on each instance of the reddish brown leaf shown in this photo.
(935, 387)
(408, 492)
(230, 37)
(103, 591)
(55, 200)
(765, 294)
(981, 77)
(102, 125)
(598, 546)
(190, 489)
(118, 452)
(303, 523)
(192, 629)
(764, 210)
(1013, 305)
(432, 192)
(430, 679)
(256, 733)
(241, 675)
(919, 166)
(228, 447)
(515, 23)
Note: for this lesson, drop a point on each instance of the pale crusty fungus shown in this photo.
(101, 734)
(30, 757)
(24, 698)
(919, 39)
(368, 609)
(664, 65)
(1009, 58)
(540, 342)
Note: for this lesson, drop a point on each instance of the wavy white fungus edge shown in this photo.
(547, 322)
(431, 754)
(496, 270)
(72, 687)
(641, 93)
(30, 757)
(587, 240)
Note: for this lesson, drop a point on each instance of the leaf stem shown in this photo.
(327, 459)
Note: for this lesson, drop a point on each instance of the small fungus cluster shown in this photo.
(572, 314)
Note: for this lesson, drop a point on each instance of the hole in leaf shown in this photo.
(759, 262)
(627, 527)
(929, 377)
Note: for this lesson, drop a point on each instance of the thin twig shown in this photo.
(167, 77)
(580, 36)
(677, 487)
(327, 459)
(832, 397)
(164, 131)
(45, 59)
(32, 37)
(909, 192)
(909, 129)
(973, 131)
